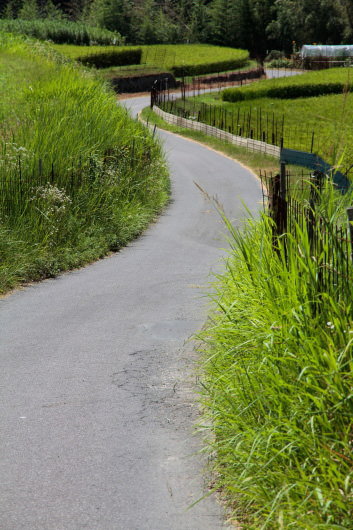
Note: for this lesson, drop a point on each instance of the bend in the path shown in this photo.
(97, 387)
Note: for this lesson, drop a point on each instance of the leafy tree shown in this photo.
(50, 11)
(199, 26)
(263, 12)
(29, 10)
(143, 22)
(165, 29)
(114, 15)
(347, 8)
(287, 25)
(308, 21)
(10, 9)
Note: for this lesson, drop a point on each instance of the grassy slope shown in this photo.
(59, 113)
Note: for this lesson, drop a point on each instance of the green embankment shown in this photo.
(79, 177)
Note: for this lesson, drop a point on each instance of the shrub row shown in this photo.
(115, 57)
(211, 67)
(60, 31)
(312, 84)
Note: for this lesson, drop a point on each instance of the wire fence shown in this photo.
(255, 124)
(295, 204)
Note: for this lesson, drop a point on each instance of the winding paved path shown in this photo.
(96, 371)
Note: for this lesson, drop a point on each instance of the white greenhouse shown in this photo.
(310, 51)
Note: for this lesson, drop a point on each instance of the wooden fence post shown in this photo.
(350, 221)
(283, 181)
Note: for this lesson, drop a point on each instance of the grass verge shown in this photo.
(79, 177)
(277, 385)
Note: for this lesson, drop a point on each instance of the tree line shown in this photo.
(256, 25)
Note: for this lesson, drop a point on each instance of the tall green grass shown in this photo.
(277, 382)
(79, 176)
(61, 31)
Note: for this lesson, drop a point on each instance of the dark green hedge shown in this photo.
(120, 57)
(283, 92)
(209, 68)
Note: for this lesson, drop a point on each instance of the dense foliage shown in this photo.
(79, 177)
(255, 25)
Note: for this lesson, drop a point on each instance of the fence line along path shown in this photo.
(97, 391)
(210, 130)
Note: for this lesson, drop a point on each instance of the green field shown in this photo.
(178, 58)
(323, 124)
(78, 176)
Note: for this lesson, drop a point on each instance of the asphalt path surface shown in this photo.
(97, 385)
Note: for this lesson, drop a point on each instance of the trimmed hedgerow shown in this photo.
(313, 84)
(116, 57)
(211, 67)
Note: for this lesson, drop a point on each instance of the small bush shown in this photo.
(274, 55)
(280, 63)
